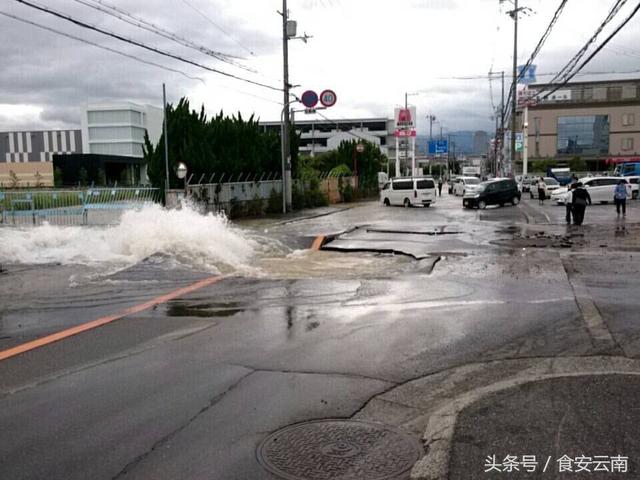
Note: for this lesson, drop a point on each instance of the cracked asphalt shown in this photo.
(397, 301)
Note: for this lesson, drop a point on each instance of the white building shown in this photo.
(118, 129)
(318, 136)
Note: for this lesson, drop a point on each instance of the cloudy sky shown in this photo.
(369, 51)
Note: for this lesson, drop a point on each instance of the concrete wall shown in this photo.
(27, 174)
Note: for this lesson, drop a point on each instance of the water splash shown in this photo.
(207, 242)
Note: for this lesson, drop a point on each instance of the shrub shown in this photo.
(255, 206)
(274, 204)
(347, 193)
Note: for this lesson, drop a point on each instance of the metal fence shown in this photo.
(93, 206)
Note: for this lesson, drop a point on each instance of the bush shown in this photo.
(255, 206)
(274, 204)
(236, 208)
(347, 193)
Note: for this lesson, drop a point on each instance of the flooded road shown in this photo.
(189, 385)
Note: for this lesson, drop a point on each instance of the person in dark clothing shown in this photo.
(580, 199)
(440, 186)
(568, 205)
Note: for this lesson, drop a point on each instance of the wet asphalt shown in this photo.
(189, 388)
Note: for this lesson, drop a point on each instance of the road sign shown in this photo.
(309, 111)
(309, 99)
(527, 75)
(519, 141)
(328, 98)
(438, 146)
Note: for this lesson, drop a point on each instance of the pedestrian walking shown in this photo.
(568, 204)
(542, 190)
(620, 197)
(440, 186)
(579, 199)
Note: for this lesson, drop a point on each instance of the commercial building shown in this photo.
(26, 157)
(318, 136)
(596, 121)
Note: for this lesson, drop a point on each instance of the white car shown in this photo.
(601, 189)
(465, 185)
(633, 180)
(551, 186)
(409, 192)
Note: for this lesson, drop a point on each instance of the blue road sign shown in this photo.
(309, 99)
(527, 76)
(438, 146)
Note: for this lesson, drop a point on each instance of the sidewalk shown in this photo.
(557, 410)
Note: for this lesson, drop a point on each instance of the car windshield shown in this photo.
(472, 181)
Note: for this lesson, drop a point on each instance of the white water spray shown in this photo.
(207, 242)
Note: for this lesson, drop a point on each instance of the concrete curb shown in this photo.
(438, 436)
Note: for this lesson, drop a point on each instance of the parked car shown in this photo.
(409, 192)
(493, 192)
(451, 182)
(525, 184)
(601, 189)
(633, 181)
(465, 185)
(551, 183)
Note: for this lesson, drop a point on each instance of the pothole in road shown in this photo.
(542, 240)
(339, 450)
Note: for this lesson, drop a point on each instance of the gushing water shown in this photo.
(207, 242)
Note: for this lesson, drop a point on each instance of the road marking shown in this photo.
(318, 242)
(41, 342)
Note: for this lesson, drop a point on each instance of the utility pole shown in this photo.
(286, 124)
(166, 142)
(501, 129)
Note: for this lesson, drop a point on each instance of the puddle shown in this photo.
(202, 311)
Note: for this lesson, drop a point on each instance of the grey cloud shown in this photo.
(58, 74)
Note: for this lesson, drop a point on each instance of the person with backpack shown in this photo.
(579, 199)
(620, 196)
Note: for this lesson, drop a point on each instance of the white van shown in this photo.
(409, 192)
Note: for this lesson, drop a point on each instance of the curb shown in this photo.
(438, 436)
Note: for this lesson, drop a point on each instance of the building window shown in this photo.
(586, 135)
(628, 119)
(627, 144)
(629, 92)
(614, 93)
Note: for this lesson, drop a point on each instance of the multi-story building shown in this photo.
(596, 121)
(318, 136)
(26, 157)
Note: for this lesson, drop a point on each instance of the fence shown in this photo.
(252, 195)
(94, 206)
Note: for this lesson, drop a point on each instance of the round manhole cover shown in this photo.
(339, 450)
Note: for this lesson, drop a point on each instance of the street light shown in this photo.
(181, 172)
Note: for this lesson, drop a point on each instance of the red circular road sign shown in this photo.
(309, 99)
(328, 98)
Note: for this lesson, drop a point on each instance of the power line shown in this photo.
(109, 49)
(206, 17)
(544, 37)
(596, 51)
(136, 21)
(142, 45)
(570, 66)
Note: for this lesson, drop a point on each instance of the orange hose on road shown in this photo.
(318, 242)
(41, 342)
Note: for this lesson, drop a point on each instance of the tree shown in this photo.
(221, 144)
(102, 177)
(38, 178)
(578, 164)
(83, 175)
(14, 181)
(57, 177)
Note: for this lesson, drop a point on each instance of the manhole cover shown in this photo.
(339, 450)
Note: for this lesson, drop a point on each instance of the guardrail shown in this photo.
(93, 206)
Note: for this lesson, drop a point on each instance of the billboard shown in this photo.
(405, 118)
